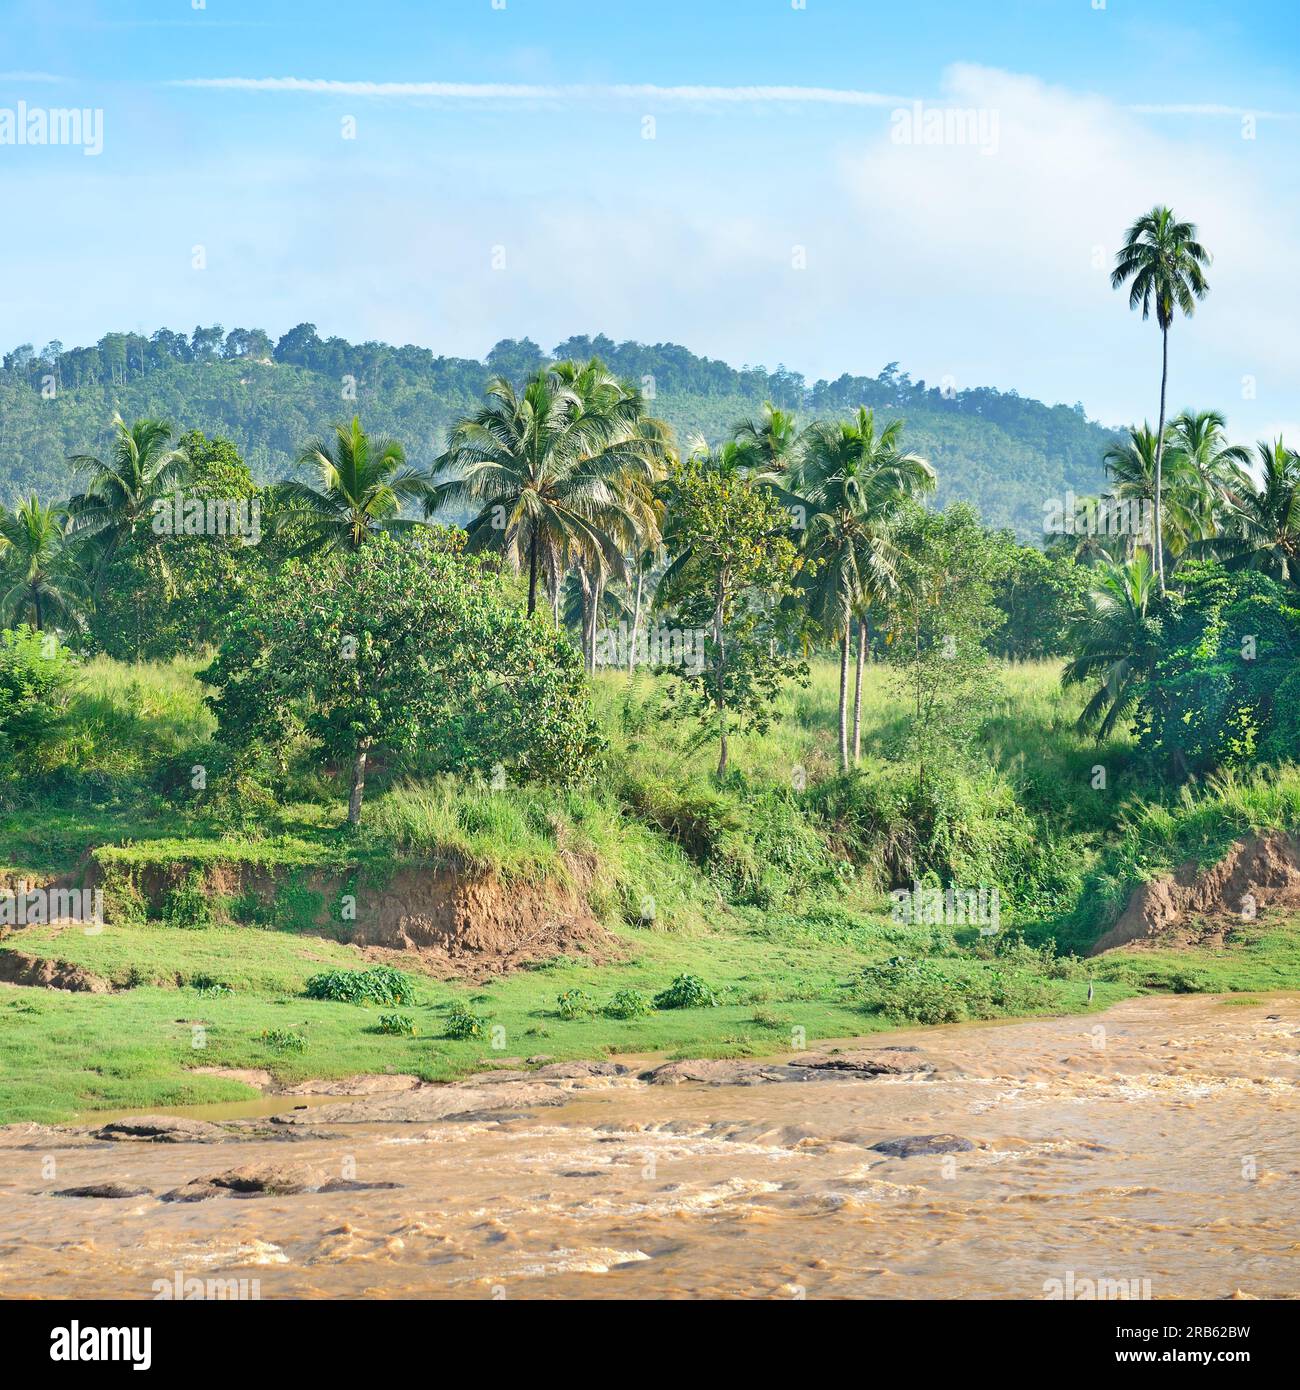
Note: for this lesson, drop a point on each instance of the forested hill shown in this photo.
(997, 449)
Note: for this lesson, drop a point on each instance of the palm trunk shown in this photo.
(358, 782)
(636, 619)
(1158, 543)
(857, 692)
(532, 575)
(844, 695)
(598, 600)
(719, 697)
(588, 621)
(553, 580)
(36, 605)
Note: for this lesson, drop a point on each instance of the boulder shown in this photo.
(920, 1145)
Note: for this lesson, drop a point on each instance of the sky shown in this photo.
(753, 179)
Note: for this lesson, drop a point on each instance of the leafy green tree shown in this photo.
(940, 616)
(361, 487)
(407, 648)
(1041, 597)
(1163, 265)
(733, 562)
(39, 577)
(1222, 692)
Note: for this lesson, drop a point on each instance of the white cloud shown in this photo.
(1007, 254)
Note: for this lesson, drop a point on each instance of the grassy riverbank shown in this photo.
(771, 890)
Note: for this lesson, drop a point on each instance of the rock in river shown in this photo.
(919, 1145)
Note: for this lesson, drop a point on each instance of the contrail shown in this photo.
(511, 91)
(642, 91)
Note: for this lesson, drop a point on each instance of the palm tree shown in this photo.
(142, 468)
(770, 443)
(38, 578)
(1117, 640)
(1085, 546)
(1212, 469)
(1133, 466)
(561, 471)
(851, 480)
(361, 487)
(1166, 265)
(1261, 528)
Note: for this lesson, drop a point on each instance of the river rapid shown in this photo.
(1151, 1147)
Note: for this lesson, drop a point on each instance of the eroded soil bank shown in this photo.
(1153, 1145)
(1198, 906)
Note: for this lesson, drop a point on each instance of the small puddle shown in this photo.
(216, 1111)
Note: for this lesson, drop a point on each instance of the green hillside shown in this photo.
(1003, 452)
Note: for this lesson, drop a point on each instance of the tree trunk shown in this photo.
(844, 695)
(1158, 542)
(598, 598)
(358, 782)
(36, 605)
(591, 597)
(857, 692)
(636, 619)
(719, 662)
(532, 574)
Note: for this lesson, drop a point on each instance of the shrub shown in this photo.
(915, 990)
(283, 1040)
(573, 1003)
(463, 1023)
(627, 1004)
(381, 985)
(773, 1022)
(209, 987)
(686, 992)
(34, 677)
(397, 1025)
(188, 904)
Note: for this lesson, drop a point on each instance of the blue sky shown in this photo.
(498, 181)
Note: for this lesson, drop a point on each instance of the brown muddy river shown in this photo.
(1154, 1143)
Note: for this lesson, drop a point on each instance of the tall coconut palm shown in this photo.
(1116, 641)
(770, 443)
(1163, 264)
(143, 467)
(39, 581)
(561, 471)
(361, 486)
(850, 480)
(1261, 525)
(1212, 470)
